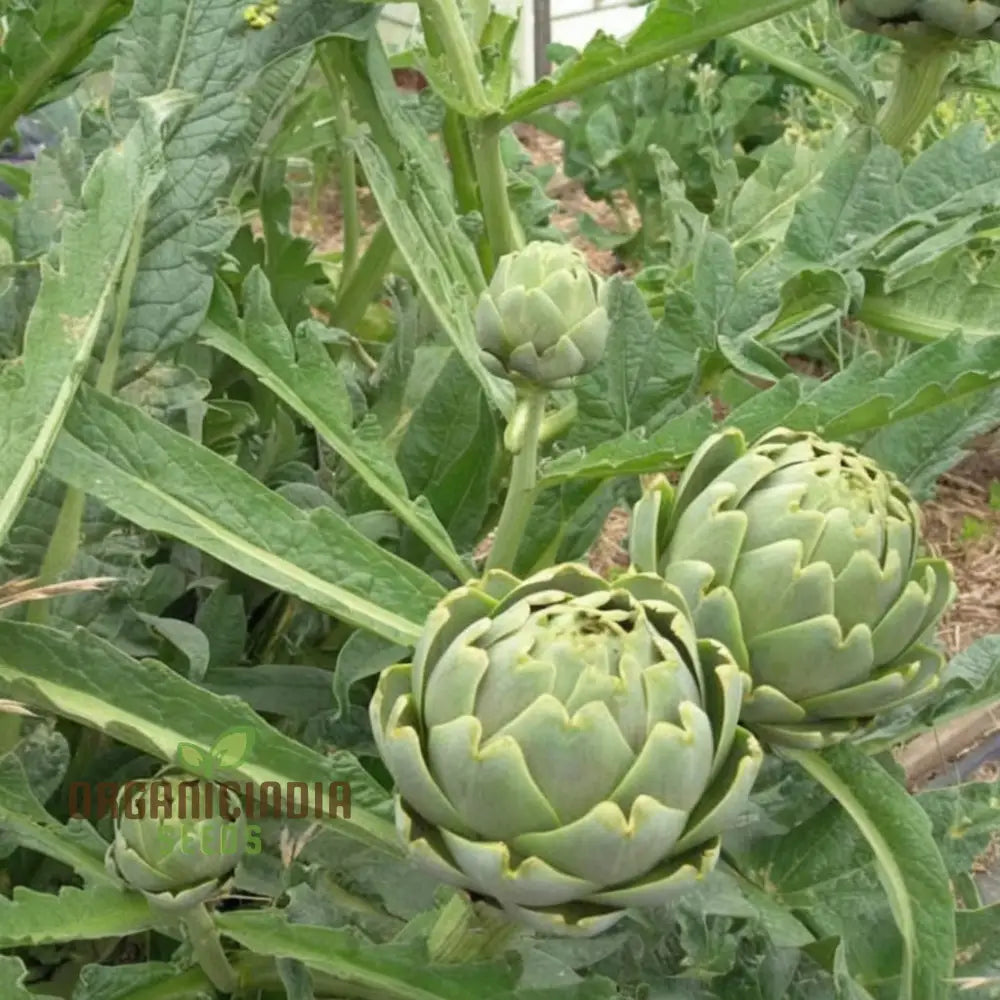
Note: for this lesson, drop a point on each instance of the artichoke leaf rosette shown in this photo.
(542, 321)
(801, 556)
(565, 746)
(176, 840)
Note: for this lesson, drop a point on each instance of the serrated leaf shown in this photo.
(166, 482)
(669, 29)
(782, 42)
(149, 706)
(300, 371)
(909, 864)
(635, 454)
(34, 918)
(389, 970)
(956, 293)
(25, 820)
(203, 48)
(67, 315)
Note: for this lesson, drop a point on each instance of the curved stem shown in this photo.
(527, 418)
(208, 950)
(916, 90)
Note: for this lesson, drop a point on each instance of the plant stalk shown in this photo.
(348, 169)
(443, 18)
(463, 172)
(916, 91)
(527, 419)
(207, 946)
(492, 174)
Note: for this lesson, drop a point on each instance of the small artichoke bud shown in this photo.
(542, 320)
(176, 839)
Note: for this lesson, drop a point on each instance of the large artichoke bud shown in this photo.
(565, 746)
(542, 320)
(176, 839)
(914, 19)
(800, 555)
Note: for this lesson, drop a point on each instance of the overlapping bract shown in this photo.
(542, 320)
(565, 746)
(176, 838)
(801, 556)
(976, 20)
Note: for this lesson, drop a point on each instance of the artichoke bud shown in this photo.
(801, 556)
(565, 747)
(176, 839)
(975, 20)
(542, 320)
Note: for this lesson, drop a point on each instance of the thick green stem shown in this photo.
(527, 420)
(463, 172)
(491, 171)
(348, 168)
(916, 91)
(442, 20)
(208, 950)
(356, 296)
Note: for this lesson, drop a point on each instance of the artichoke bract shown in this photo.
(565, 746)
(800, 555)
(176, 839)
(542, 319)
(975, 20)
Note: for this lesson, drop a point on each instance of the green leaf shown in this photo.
(449, 451)
(43, 44)
(909, 863)
(285, 689)
(12, 977)
(782, 42)
(143, 981)
(35, 918)
(35, 395)
(632, 385)
(149, 706)
(635, 453)
(389, 971)
(669, 29)
(168, 483)
(185, 637)
(955, 293)
(300, 371)
(204, 49)
(24, 818)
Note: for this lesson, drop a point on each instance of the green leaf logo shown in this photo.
(229, 751)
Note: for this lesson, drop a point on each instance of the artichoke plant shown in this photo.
(176, 838)
(800, 555)
(542, 320)
(976, 20)
(565, 746)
